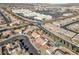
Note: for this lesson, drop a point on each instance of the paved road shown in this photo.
(26, 42)
(65, 27)
(55, 35)
(5, 18)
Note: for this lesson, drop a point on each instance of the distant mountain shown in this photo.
(41, 4)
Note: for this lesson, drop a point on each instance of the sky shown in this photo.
(40, 1)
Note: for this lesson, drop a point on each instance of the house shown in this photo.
(35, 35)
